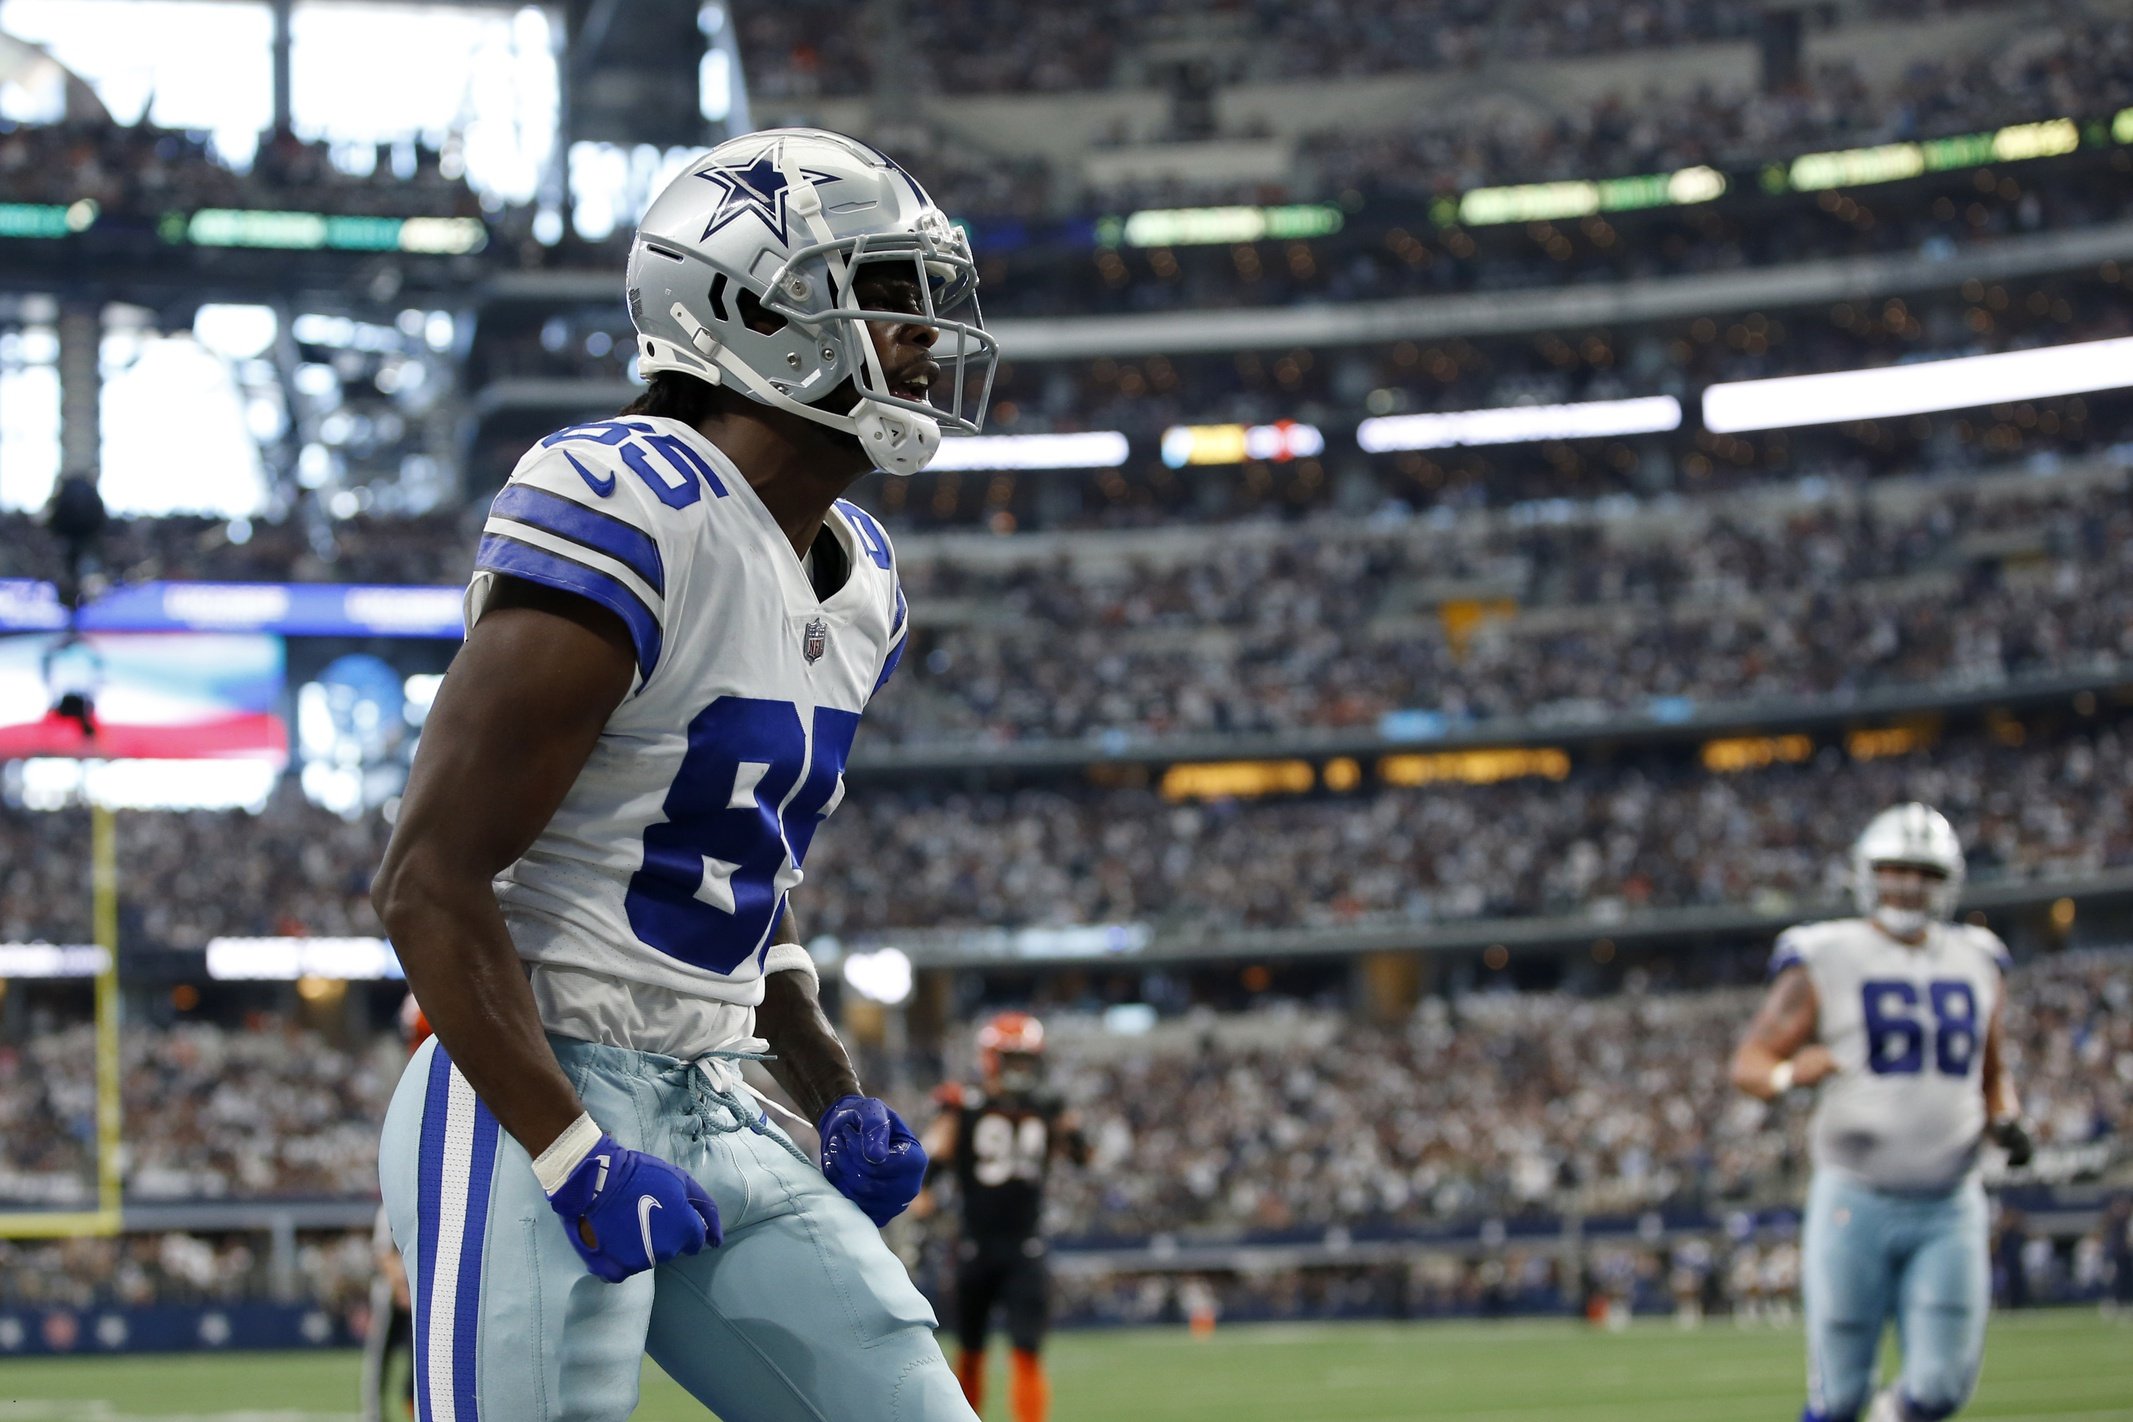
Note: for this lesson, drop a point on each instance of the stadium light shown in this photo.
(883, 976)
(1919, 388)
(288, 959)
(1519, 424)
(52, 960)
(58, 782)
(1088, 449)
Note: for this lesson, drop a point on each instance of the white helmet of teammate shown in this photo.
(786, 215)
(1917, 836)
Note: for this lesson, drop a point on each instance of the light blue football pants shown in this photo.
(1867, 1256)
(803, 1315)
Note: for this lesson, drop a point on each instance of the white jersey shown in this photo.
(1905, 1109)
(669, 861)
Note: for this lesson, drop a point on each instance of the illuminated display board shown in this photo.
(1736, 753)
(1217, 226)
(38, 219)
(1238, 779)
(174, 696)
(1277, 443)
(1548, 202)
(292, 609)
(1475, 767)
(311, 231)
(1893, 162)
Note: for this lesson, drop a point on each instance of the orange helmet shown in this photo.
(1010, 1033)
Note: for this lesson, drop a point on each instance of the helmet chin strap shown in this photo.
(899, 441)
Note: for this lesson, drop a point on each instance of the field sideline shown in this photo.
(2052, 1367)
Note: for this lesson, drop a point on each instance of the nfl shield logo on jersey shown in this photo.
(815, 641)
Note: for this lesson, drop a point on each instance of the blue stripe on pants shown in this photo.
(455, 1167)
(430, 1179)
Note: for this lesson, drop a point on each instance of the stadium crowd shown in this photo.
(2079, 65)
(1504, 1104)
(1610, 838)
(1334, 387)
(2082, 66)
(1280, 1123)
(1311, 633)
(300, 871)
(1605, 841)
(819, 49)
(212, 1113)
(141, 171)
(333, 1270)
(410, 550)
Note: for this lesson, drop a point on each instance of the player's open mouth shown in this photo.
(912, 389)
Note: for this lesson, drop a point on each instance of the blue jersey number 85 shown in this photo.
(739, 817)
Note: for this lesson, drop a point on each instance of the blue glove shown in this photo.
(870, 1155)
(626, 1211)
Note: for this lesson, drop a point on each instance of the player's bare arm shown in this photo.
(2003, 1105)
(515, 720)
(867, 1151)
(1778, 1050)
(807, 1058)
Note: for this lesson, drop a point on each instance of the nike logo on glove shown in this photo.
(645, 1205)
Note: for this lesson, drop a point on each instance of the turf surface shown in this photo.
(2065, 1367)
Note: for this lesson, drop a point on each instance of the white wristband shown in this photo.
(566, 1153)
(1781, 1078)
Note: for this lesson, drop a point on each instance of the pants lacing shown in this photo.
(722, 1102)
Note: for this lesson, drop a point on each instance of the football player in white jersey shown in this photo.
(1897, 1015)
(675, 624)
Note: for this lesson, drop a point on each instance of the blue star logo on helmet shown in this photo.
(758, 188)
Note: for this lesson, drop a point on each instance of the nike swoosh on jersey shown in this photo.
(602, 487)
(645, 1205)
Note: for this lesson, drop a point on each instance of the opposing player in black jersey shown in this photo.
(999, 1140)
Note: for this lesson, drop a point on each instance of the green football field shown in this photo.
(2068, 1367)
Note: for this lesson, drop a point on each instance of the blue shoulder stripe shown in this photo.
(501, 553)
(602, 532)
(896, 650)
(1785, 957)
(888, 666)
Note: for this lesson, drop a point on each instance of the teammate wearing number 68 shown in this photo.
(1896, 1016)
(674, 625)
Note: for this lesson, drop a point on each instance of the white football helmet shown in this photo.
(786, 215)
(1918, 836)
